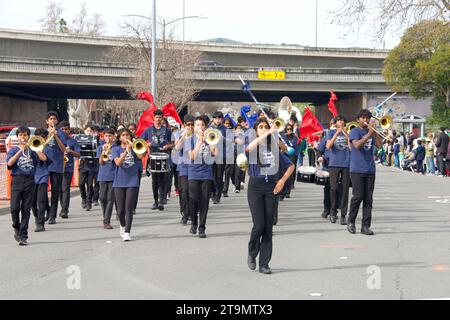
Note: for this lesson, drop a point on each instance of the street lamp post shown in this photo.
(153, 77)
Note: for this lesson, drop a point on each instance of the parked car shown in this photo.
(4, 132)
(12, 139)
(208, 63)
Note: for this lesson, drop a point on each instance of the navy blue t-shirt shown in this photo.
(291, 141)
(42, 173)
(107, 170)
(270, 164)
(322, 148)
(72, 144)
(162, 137)
(200, 168)
(25, 165)
(55, 154)
(127, 175)
(362, 160)
(339, 152)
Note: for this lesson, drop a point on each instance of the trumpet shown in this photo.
(37, 143)
(139, 146)
(106, 153)
(212, 136)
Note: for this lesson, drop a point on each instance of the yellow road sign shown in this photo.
(271, 75)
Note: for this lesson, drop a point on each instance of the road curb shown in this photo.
(7, 210)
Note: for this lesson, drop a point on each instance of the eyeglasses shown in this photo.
(288, 129)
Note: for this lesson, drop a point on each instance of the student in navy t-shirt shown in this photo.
(105, 177)
(41, 176)
(339, 146)
(159, 138)
(200, 176)
(266, 162)
(72, 151)
(126, 180)
(291, 140)
(182, 161)
(57, 146)
(87, 169)
(362, 170)
(22, 162)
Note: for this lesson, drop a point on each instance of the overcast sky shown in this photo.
(252, 21)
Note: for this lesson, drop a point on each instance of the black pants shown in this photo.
(173, 176)
(419, 166)
(263, 204)
(40, 202)
(86, 179)
(218, 172)
(96, 194)
(229, 175)
(199, 193)
(56, 182)
(65, 191)
(339, 189)
(106, 196)
(239, 176)
(22, 188)
(441, 163)
(291, 180)
(363, 186)
(326, 198)
(312, 157)
(184, 196)
(159, 186)
(125, 198)
(139, 189)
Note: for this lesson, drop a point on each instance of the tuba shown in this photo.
(385, 122)
(139, 146)
(212, 136)
(242, 161)
(285, 109)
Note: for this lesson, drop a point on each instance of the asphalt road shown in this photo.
(407, 258)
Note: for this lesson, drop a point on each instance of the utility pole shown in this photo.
(317, 17)
(153, 71)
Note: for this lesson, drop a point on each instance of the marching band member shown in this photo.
(263, 189)
(41, 176)
(126, 180)
(182, 166)
(96, 188)
(291, 140)
(72, 151)
(200, 176)
(57, 147)
(219, 165)
(22, 162)
(105, 178)
(229, 165)
(339, 147)
(133, 128)
(362, 170)
(160, 140)
(239, 146)
(88, 169)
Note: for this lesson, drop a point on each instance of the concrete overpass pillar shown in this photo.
(22, 111)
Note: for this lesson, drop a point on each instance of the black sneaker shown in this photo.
(275, 221)
(83, 203)
(343, 221)
(23, 242)
(184, 221)
(202, 234)
(333, 218)
(88, 207)
(160, 207)
(251, 262)
(52, 221)
(96, 203)
(165, 201)
(154, 206)
(39, 228)
(325, 214)
(64, 215)
(193, 229)
(16, 235)
(367, 231)
(225, 194)
(265, 270)
(351, 228)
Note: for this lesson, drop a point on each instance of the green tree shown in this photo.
(420, 64)
(441, 114)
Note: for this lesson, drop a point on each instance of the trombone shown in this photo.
(37, 143)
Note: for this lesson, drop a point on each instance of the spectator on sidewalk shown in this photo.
(441, 150)
(429, 154)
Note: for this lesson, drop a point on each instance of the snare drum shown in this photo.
(306, 174)
(88, 145)
(322, 177)
(159, 162)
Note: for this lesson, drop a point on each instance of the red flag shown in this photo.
(147, 117)
(332, 105)
(310, 125)
(169, 110)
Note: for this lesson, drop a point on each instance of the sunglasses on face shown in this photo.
(288, 129)
(189, 124)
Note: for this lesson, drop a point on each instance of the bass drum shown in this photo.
(306, 174)
(322, 177)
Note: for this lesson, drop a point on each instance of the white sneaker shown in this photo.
(126, 237)
(122, 231)
(242, 186)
